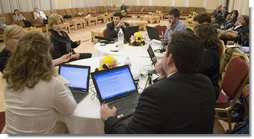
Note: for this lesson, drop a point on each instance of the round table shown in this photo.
(127, 50)
(86, 117)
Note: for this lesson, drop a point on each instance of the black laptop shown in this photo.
(117, 87)
(151, 54)
(78, 77)
(129, 32)
(152, 33)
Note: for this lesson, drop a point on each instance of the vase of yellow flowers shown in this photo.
(137, 39)
(106, 62)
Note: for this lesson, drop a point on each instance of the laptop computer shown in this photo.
(117, 88)
(78, 76)
(151, 54)
(129, 32)
(152, 33)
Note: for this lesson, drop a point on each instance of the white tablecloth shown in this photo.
(86, 117)
(127, 50)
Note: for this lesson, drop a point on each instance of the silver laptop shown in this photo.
(117, 87)
(78, 76)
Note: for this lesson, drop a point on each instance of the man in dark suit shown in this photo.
(181, 103)
(114, 27)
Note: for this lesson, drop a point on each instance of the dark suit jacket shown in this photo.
(180, 104)
(111, 29)
(4, 56)
(61, 43)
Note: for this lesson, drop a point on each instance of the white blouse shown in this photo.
(35, 110)
(40, 15)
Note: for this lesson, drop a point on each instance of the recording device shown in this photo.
(104, 39)
(164, 43)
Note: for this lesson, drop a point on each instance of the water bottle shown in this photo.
(127, 62)
(120, 38)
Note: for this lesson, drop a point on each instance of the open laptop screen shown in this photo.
(114, 83)
(151, 54)
(129, 32)
(78, 76)
(153, 33)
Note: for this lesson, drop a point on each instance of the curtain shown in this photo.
(241, 5)
(8, 6)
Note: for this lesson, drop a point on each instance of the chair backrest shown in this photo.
(105, 33)
(161, 29)
(236, 75)
(221, 50)
(2, 121)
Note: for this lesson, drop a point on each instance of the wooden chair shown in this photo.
(236, 77)
(2, 121)
(105, 33)
(161, 29)
(222, 48)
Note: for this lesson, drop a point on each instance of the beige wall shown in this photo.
(130, 2)
(212, 4)
(144, 2)
(105, 2)
(162, 2)
(117, 2)
(61, 4)
(180, 3)
(196, 3)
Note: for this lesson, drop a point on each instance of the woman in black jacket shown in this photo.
(210, 64)
(61, 40)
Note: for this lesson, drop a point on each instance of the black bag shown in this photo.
(27, 23)
(241, 128)
(67, 16)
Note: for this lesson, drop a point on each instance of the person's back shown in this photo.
(34, 96)
(35, 110)
(183, 103)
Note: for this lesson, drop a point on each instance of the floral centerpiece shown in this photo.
(137, 39)
(107, 62)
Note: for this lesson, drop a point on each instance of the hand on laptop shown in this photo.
(107, 112)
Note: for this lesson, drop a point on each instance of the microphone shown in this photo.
(164, 42)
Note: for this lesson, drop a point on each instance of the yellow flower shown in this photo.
(109, 60)
(138, 34)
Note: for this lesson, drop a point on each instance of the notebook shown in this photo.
(152, 33)
(78, 77)
(129, 32)
(117, 88)
(151, 54)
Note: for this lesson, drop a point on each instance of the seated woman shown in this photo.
(61, 40)
(40, 15)
(35, 94)
(210, 64)
(231, 21)
(232, 34)
(12, 34)
(18, 17)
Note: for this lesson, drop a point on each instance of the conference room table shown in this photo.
(128, 50)
(86, 117)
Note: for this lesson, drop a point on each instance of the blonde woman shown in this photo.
(35, 95)
(12, 34)
(62, 42)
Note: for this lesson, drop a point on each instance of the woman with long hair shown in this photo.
(34, 93)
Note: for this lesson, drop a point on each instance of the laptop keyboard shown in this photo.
(78, 95)
(125, 105)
